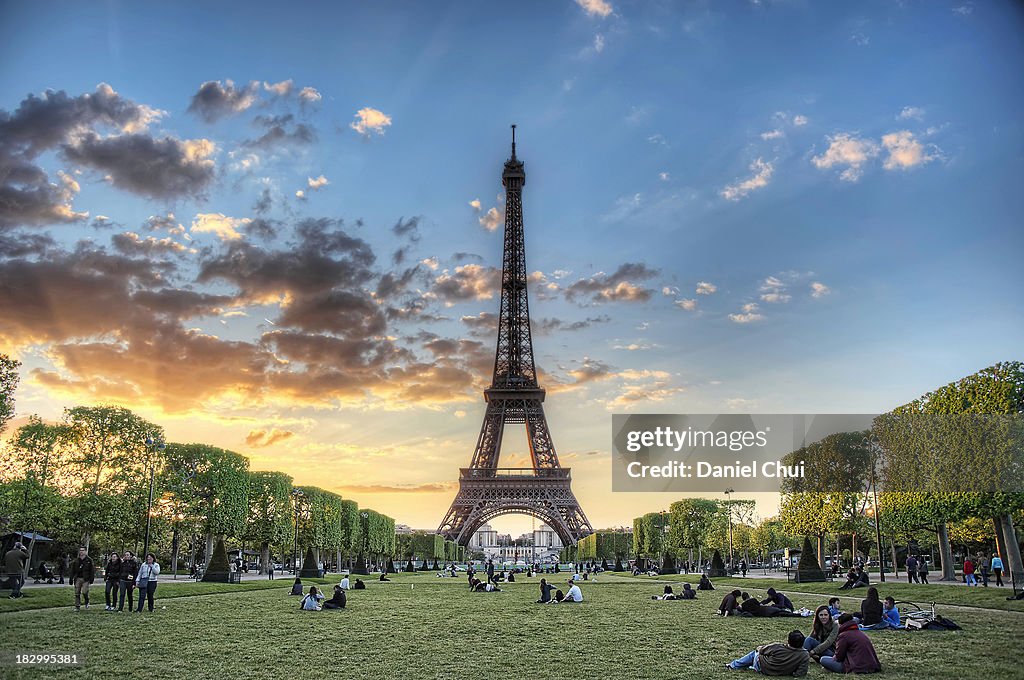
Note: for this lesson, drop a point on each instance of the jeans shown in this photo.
(924, 576)
(881, 625)
(829, 663)
(146, 590)
(999, 577)
(17, 581)
(748, 661)
(129, 588)
(81, 590)
(108, 588)
(971, 580)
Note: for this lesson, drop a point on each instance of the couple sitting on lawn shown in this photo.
(738, 603)
(313, 600)
(853, 652)
(687, 593)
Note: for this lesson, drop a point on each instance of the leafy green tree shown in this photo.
(270, 517)
(8, 385)
(691, 521)
(351, 529)
(111, 464)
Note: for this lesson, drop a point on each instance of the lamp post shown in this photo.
(297, 495)
(876, 451)
(728, 494)
(152, 444)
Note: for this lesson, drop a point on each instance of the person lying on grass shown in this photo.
(854, 651)
(730, 605)
(751, 607)
(311, 602)
(777, 658)
(666, 594)
(778, 599)
(824, 633)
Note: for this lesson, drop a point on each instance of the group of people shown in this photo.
(857, 577)
(313, 600)
(121, 578)
(739, 603)
(987, 568)
(687, 593)
(550, 595)
(917, 569)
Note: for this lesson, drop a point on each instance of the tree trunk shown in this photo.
(1012, 548)
(264, 558)
(895, 564)
(821, 551)
(209, 549)
(946, 553)
(337, 557)
(1000, 541)
(175, 544)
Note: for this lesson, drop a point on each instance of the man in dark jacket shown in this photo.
(777, 658)
(854, 651)
(778, 599)
(82, 575)
(730, 604)
(129, 571)
(14, 565)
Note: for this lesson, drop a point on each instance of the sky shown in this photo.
(277, 229)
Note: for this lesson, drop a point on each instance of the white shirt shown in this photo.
(574, 594)
(149, 572)
(344, 583)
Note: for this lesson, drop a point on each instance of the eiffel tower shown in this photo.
(485, 490)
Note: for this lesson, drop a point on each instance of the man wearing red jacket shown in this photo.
(854, 651)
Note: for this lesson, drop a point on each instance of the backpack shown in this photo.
(942, 623)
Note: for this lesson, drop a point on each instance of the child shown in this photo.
(833, 608)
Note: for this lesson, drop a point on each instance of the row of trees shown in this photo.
(89, 477)
(424, 546)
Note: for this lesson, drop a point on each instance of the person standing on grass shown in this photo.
(997, 569)
(62, 567)
(911, 569)
(969, 577)
(129, 572)
(984, 571)
(14, 565)
(111, 581)
(83, 573)
(854, 651)
(776, 658)
(922, 569)
(148, 574)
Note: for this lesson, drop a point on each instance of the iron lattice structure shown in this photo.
(485, 490)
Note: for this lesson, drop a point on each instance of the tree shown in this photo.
(351, 529)
(112, 466)
(809, 567)
(270, 516)
(8, 384)
(690, 522)
(217, 570)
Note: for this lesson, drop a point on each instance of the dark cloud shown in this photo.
(547, 326)
(466, 257)
(264, 203)
(180, 303)
(164, 168)
(279, 135)
(352, 314)
(407, 228)
(484, 324)
(216, 100)
(619, 286)
(467, 282)
(392, 285)
(130, 243)
(103, 222)
(16, 244)
(262, 228)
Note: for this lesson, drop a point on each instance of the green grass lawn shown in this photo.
(420, 626)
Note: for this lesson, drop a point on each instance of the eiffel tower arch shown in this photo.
(544, 490)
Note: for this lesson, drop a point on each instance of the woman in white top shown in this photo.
(146, 580)
(344, 583)
(311, 602)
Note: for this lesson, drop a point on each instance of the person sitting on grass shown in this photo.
(890, 617)
(778, 599)
(854, 651)
(705, 583)
(556, 598)
(311, 602)
(688, 593)
(344, 585)
(730, 605)
(359, 585)
(824, 632)
(384, 576)
(871, 610)
(296, 587)
(833, 607)
(574, 594)
(338, 600)
(545, 591)
(776, 658)
(511, 577)
(666, 594)
(851, 579)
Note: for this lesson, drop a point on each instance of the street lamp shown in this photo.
(876, 451)
(728, 494)
(151, 445)
(297, 494)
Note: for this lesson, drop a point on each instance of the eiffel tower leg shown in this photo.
(489, 442)
(542, 449)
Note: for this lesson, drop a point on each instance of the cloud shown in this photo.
(762, 170)
(964, 10)
(598, 43)
(860, 38)
(772, 134)
(492, 219)
(905, 152)
(475, 205)
(819, 290)
(663, 176)
(799, 120)
(547, 326)
(749, 313)
(130, 243)
(216, 100)
(847, 150)
(911, 112)
(705, 288)
(164, 168)
(259, 439)
(318, 183)
(224, 227)
(773, 291)
(689, 304)
(281, 131)
(619, 286)
(595, 8)
(309, 95)
(432, 487)
(370, 121)
(467, 282)
(657, 139)
(281, 89)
